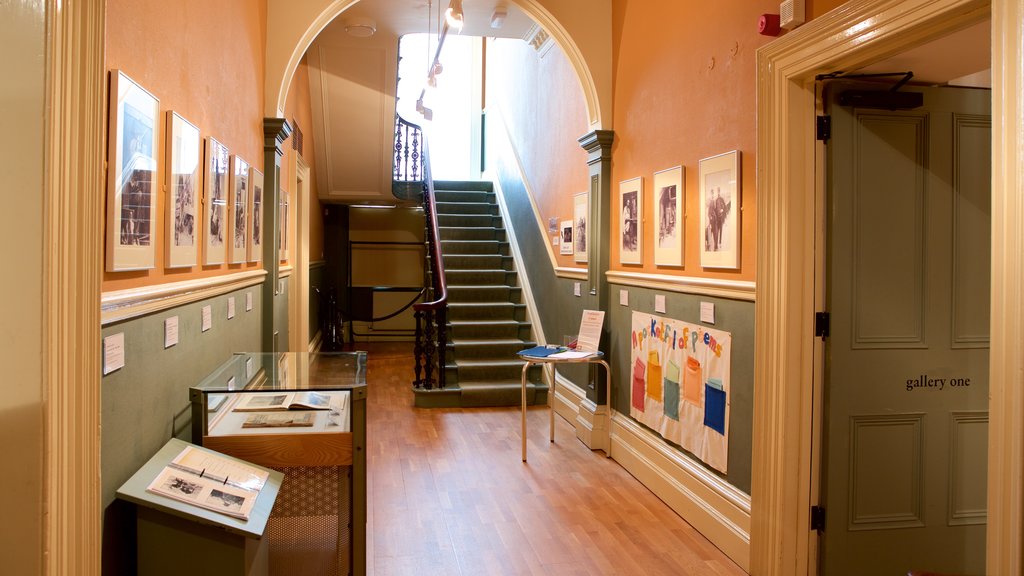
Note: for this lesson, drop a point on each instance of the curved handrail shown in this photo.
(439, 281)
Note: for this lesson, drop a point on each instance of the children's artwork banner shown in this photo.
(680, 384)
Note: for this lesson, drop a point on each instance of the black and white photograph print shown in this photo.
(580, 212)
(566, 242)
(631, 207)
(668, 217)
(184, 159)
(134, 129)
(182, 487)
(216, 202)
(240, 209)
(229, 502)
(719, 178)
(256, 237)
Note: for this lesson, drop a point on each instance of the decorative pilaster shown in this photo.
(598, 145)
(275, 132)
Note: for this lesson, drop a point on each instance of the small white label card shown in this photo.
(555, 240)
(590, 330)
(170, 331)
(624, 297)
(231, 307)
(659, 303)
(707, 312)
(113, 353)
(248, 368)
(280, 286)
(248, 301)
(576, 289)
(231, 383)
(207, 317)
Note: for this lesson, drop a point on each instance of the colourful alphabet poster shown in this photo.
(680, 384)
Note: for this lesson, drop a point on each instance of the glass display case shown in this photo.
(305, 415)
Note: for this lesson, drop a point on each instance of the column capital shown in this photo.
(598, 144)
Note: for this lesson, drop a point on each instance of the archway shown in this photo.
(582, 34)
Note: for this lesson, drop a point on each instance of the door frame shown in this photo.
(787, 364)
(298, 312)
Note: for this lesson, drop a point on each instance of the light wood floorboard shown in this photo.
(449, 495)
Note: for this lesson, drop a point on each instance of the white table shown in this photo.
(595, 358)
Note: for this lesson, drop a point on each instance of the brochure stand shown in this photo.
(176, 538)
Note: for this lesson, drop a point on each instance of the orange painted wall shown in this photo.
(816, 8)
(206, 61)
(545, 112)
(298, 108)
(684, 89)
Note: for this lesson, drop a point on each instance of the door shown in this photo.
(907, 288)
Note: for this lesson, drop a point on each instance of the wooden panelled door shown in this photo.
(907, 288)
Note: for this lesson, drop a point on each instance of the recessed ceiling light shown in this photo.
(360, 27)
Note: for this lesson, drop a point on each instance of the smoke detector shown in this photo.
(360, 27)
(792, 13)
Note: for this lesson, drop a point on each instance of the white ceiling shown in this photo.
(948, 59)
(398, 17)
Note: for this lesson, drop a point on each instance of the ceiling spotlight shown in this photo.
(454, 16)
(360, 27)
(499, 15)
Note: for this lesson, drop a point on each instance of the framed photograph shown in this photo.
(566, 237)
(719, 182)
(282, 242)
(184, 177)
(256, 237)
(239, 209)
(631, 195)
(131, 185)
(216, 213)
(669, 198)
(580, 214)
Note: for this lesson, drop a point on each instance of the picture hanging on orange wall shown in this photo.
(239, 209)
(216, 202)
(580, 215)
(282, 241)
(668, 217)
(566, 242)
(719, 178)
(256, 237)
(131, 188)
(631, 200)
(184, 177)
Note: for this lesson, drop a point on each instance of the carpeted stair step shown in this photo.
(500, 329)
(483, 293)
(477, 261)
(483, 277)
(468, 220)
(487, 348)
(471, 233)
(477, 196)
(491, 370)
(502, 393)
(486, 311)
(445, 208)
(474, 247)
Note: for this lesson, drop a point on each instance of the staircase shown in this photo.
(486, 317)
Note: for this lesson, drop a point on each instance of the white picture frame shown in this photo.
(215, 213)
(669, 196)
(256, 222)
(580, 216)
(565, 231)
(133, 146)
(239, 229)
(184, 181)
(282, 242)
(720, 189)
(631, 202)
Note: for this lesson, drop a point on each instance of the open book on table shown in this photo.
(211, 481)
(266, 401)
(589, 336)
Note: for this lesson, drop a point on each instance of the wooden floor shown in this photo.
(449, 495)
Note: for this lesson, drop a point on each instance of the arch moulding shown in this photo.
(582, 28)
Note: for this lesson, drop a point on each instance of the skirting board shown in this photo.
(715, 508)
